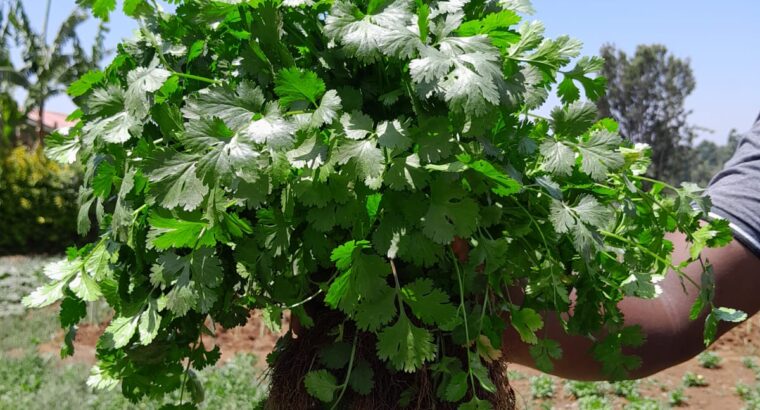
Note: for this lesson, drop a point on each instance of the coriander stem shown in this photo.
(654, 181)
(348, 372)
(464, 318)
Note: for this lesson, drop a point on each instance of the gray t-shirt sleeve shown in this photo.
(735, 191)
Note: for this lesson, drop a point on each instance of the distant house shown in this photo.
(51, 121)
(27, 133)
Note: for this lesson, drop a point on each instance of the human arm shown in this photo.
(671, 337)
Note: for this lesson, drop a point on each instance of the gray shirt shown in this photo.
(735, 191)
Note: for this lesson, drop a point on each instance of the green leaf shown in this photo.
(363, 277)
(476, 404)
(574, 119)
(367, 158)
(175, 183)
(100, 8)
(150, 322)
(294, 85)
(429, 304)
(599, 154)
(120, 331)
(62, 148)
(559, 158)
(372, 314)
(72, 311)
(85, 287)
(526, 321)
(85, 83)
(406, 346)
(235, 107)
(451, 213)
(168, 233)
(362, 378)
(506, 186)
(581, 221)
(335, 356)
(456, 387)
(714, 234)
(321, 384)
(543, 352)
(142, 81)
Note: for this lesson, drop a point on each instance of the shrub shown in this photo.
(38, 203)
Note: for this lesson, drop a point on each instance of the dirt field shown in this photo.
(734, 350)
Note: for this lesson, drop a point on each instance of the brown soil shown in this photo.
(720, 394)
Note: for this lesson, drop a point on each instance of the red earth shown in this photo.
(743, 341)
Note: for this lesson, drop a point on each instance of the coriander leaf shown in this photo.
(327, 111)
(404, 173)
(85, 83)
(599, 154)
(362, 378)
(321, 384)
(335, 356)
(406, 346)
(429, 304)
(295, 84)
(120, 331)
(367, 157)
(143, 80)
(272, 129)
(559, 159)
(574, 119)
(116, 129)
(175, 183)
(543, 352)
(526, 321)
(451, 213)
(150, 321)
(72, 311)
(235, 107)
(393, 135)
(62, 148)
(168, 233)
(356, 125)
(372, 314)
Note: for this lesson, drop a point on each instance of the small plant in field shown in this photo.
(677, 397)
(515, 375)
(691, 379)
(579, 389)
(626, 388)
(542, 387)
(709, 360)
(750, 362)
(743, 390)
(644, 404)
(594, 403)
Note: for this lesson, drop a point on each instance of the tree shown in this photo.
(646, 95)
(47, 69)
(708, 158)
(9, 115)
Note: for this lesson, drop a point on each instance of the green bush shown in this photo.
(37, 203)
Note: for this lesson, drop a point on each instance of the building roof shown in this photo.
(51, 120)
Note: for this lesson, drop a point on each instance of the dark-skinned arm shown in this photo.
(671, 337)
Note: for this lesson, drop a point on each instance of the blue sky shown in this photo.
(715, 36)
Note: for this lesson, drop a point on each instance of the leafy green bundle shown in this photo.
(266, 154)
